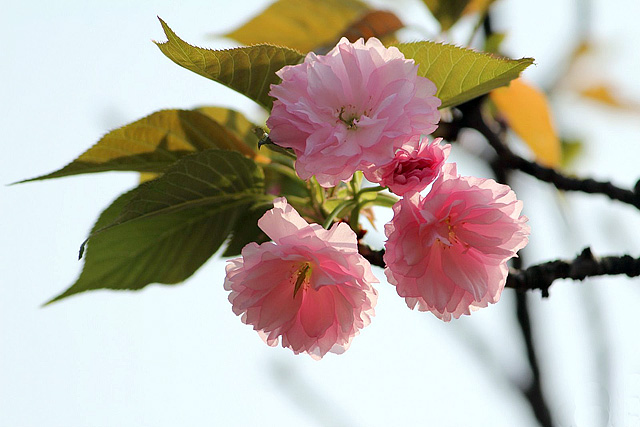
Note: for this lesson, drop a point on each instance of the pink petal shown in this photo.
(333, 302)
(469, 229)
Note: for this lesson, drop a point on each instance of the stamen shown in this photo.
(303, 275)
(352, 121)
(452, 234)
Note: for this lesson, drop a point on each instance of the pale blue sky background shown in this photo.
(177, 355)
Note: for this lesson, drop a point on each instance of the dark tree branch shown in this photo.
(472, 118)
(533, 391)
(373, 256)
(542, 276)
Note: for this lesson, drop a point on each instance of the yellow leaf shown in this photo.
(527, 112)
(154, 143)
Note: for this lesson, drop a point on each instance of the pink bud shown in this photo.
(415, 165)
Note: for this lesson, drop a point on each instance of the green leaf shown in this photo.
(447, 12)
(152, 144)
(216, 179)
(163, 249)
(153, 243)
(300, 24)
(246, 230)
(461, 74)
(493, 42)
(247, 70)
(234, 122)
(572, 149)
(282, 179)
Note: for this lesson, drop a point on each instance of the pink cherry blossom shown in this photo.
(447, 252)
(310, 286)
(350, 108)
(415, 165)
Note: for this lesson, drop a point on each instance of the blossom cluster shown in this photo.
(363, 107)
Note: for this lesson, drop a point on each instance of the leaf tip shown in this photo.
(48, 303)
(167, 31)
(37, 178)
(55, 299)
(528, 61)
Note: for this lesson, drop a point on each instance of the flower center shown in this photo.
(303, 278)
(452, 234)
(413, 165)
(447, 235)
(350, 116)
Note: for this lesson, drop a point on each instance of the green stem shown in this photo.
(320, 191)
(370, 189)
(385, 200)
(334, 213)
(354, 189)
(354, 217)
(316, 193)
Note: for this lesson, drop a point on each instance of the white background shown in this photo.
(176, 355)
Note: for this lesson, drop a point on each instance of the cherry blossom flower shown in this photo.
(309, 287)
(447, 252)
(351, 108)
(415, 165)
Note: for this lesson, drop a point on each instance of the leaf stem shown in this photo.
(354, 217)
(334, 213)
(369, 189)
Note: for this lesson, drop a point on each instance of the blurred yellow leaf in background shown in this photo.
(377, 23)
(527, 112)
(604, 94)
(300, 24)
(477, 6)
